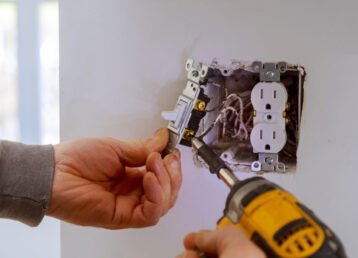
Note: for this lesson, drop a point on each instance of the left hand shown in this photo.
(101, 182)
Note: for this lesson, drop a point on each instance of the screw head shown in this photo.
(270, 74)
(195, 73)
(201, 106)
(269, 160)
(188, 134)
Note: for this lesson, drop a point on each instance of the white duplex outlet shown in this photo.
(269, 102)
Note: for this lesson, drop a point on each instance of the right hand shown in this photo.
(227, 242)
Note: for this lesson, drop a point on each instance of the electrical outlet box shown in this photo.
(249, 113)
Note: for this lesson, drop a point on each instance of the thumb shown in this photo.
(135, 153)
(227, 242)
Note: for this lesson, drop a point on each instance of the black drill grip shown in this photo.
(213, 160)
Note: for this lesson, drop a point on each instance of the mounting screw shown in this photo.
(269, 160)
(195, 73)
(270, 74)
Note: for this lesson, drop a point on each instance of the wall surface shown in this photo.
(19, 240)
(122, 64)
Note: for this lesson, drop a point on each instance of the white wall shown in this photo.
(121, 63)
(18, 240)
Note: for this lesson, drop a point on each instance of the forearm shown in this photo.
(26, 173)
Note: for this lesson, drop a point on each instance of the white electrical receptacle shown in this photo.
(269, 102)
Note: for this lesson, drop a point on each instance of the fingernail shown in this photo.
(174, 161)
(176, 152)
(157, 132)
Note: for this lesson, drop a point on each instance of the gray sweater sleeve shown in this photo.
(26, 173)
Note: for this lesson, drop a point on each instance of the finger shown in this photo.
(155, 164)
(173, 168)
(188, 254)
(149, 212)
(207, 242)
(227, 242)
(135, 153)
(152, 188)
(189, 241)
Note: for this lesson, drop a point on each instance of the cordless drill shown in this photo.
(271, 217)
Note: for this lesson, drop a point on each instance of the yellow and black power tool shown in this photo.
(271, 217)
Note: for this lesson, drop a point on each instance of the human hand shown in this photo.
(227, 242)
(102, 182)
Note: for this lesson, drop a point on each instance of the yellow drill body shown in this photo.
(271, 211)
(270, 216)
